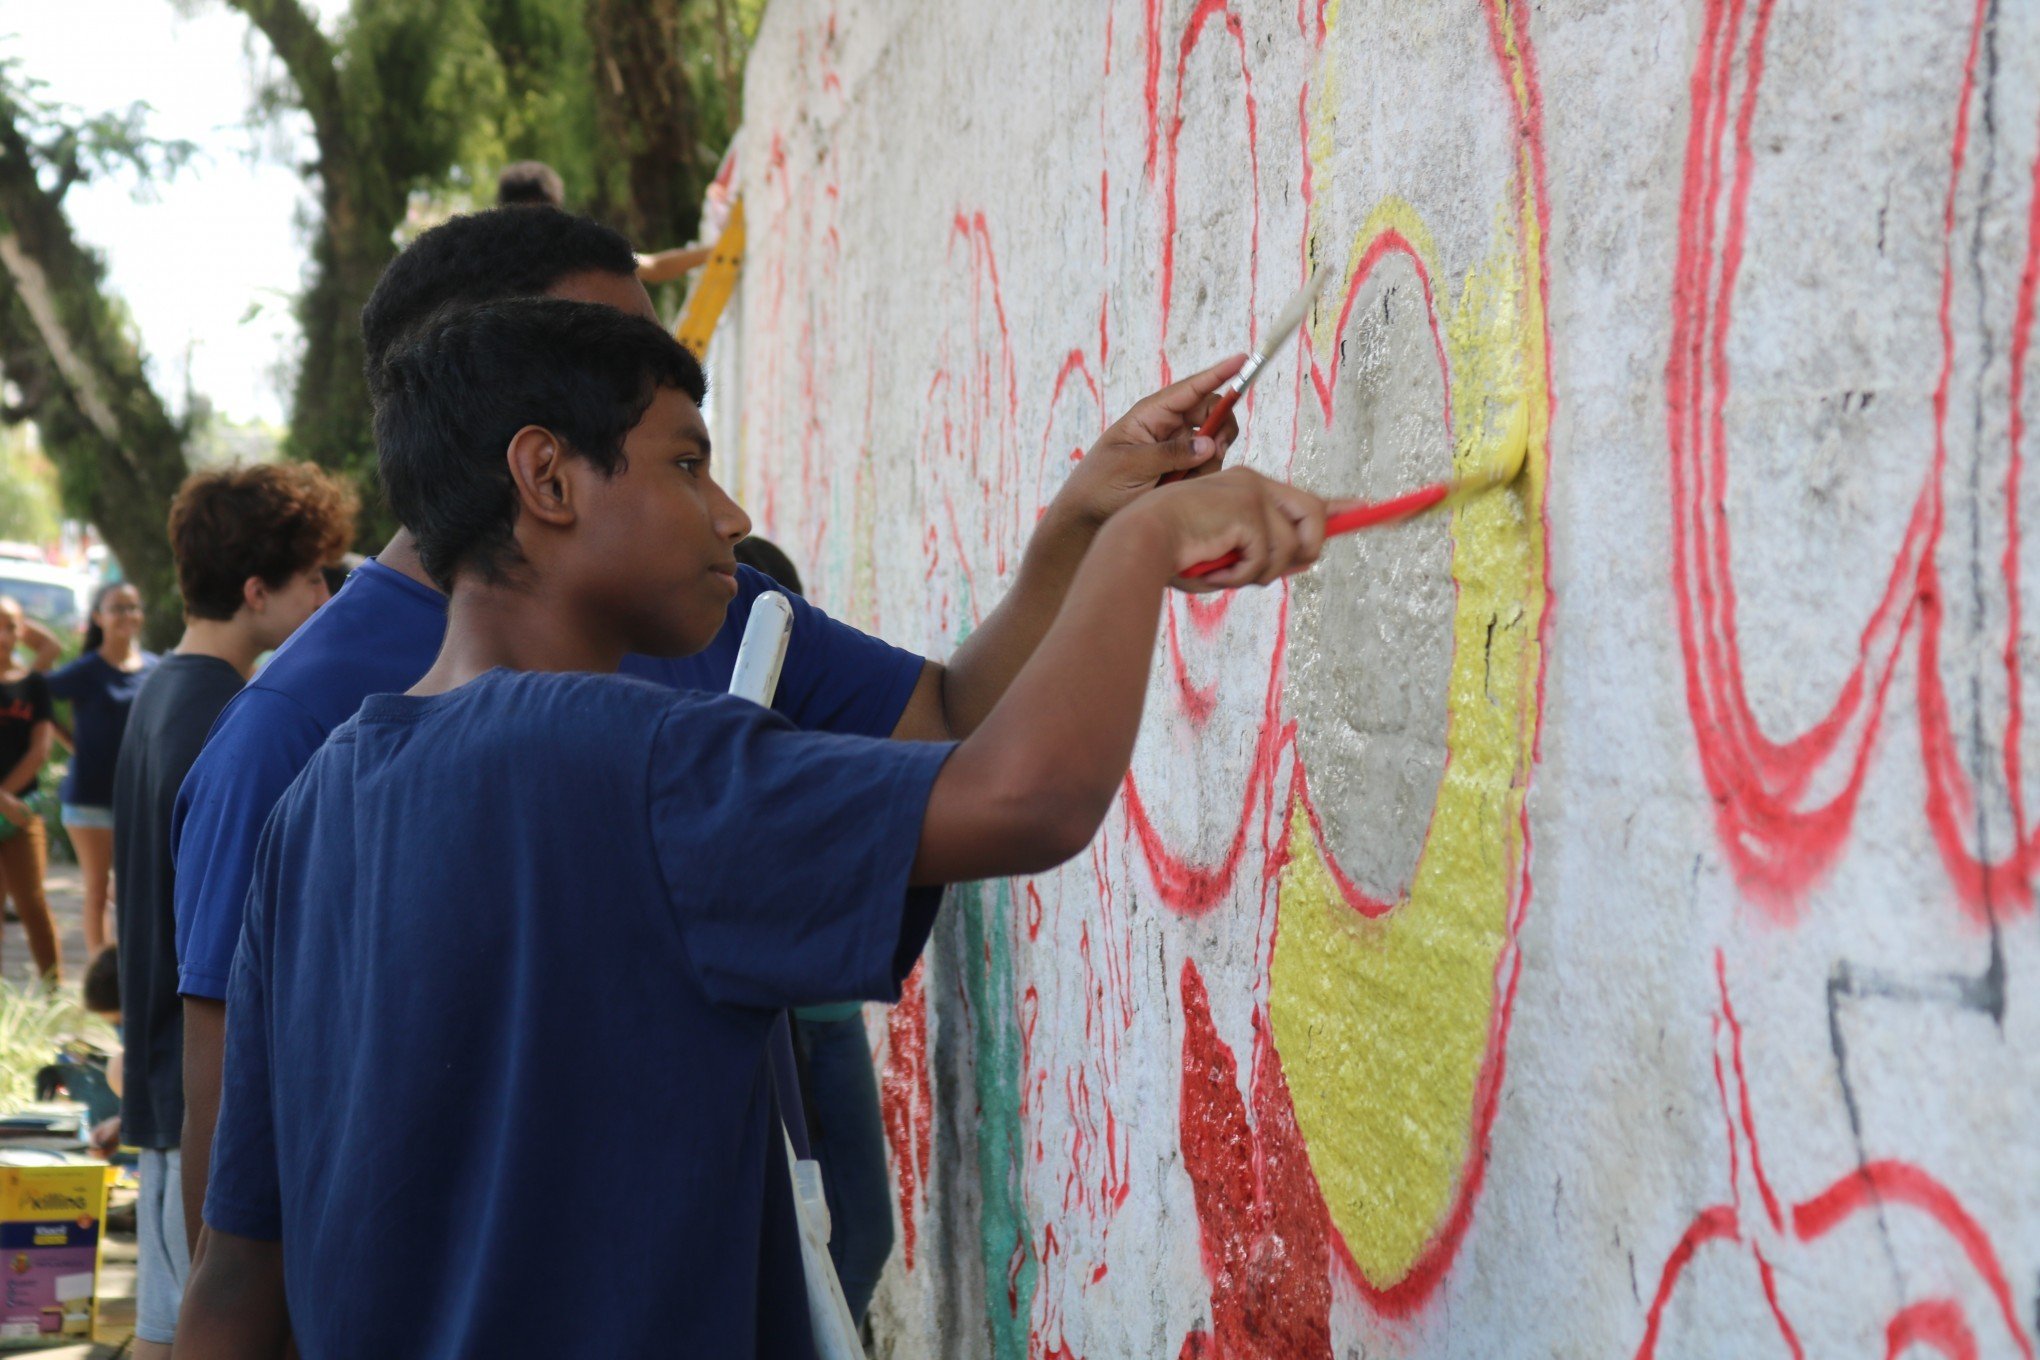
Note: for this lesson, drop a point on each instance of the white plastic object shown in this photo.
(763, 650)
(828, 1311)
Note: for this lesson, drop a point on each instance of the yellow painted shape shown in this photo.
(1390, 214)
(1384, 1024)
(712, 292)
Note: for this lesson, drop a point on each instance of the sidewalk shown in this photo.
(117, 1264)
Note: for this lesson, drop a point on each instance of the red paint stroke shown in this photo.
(1930, 1322)
(1871, 1187)
(1057, 462)
(1717, 1224)
(2022, 336)
(1190, 889)
(1895, 1183)
(1193, 33)
(1749, 1119)
(1390, 242)
(906, 1100)
(1261, 1222)
(1153, 91)
(1778, 835)
(1206, 612)
(1770, 1279)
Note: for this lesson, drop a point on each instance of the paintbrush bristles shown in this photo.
(1515, 447)
(1292, 316)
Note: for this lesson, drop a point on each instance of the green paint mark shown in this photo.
(1004, 1236)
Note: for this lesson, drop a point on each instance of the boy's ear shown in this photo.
(538, 466)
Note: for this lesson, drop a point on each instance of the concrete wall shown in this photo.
(1600, 922)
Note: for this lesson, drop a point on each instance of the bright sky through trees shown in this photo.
(196, 255)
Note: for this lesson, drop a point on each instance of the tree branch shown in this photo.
(79, 375)
(309, 56)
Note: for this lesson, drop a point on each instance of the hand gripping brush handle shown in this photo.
(1515, 444)
(1286, 324)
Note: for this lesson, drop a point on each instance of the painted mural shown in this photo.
(1475, 903)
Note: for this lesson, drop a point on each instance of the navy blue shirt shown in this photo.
(378, 636)
(100, 694)
(479, 916)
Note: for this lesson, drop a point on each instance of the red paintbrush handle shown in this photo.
(1209, 429)
(1354, 517)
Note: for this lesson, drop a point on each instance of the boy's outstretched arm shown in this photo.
(1028, 789)
(234, 1305)
(1149, 441)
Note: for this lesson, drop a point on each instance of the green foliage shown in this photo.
(29, 511)
(71, 146)
(35, 1021)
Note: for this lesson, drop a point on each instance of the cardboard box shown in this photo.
(50, 1225)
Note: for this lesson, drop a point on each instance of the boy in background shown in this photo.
(528, 875)
(250, 545)
(381, 632)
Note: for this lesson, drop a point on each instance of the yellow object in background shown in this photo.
(712, 292)
(51, 1224)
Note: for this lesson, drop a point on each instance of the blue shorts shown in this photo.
(162, 1260)
(89, 818)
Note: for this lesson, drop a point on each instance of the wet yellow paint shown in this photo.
(1385, 1024)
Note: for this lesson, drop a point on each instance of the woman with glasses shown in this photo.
(101, 686)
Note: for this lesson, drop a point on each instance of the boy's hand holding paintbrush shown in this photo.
(1029, 788)
(1160, 439)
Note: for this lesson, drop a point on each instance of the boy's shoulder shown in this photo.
(553, 711)
(378, 635)
(578, 737)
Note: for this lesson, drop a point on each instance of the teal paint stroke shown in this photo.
(1004, 1235)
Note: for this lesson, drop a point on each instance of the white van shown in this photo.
(56, 596)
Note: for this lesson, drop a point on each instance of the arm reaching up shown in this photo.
(1029, 787)
(1156, 438)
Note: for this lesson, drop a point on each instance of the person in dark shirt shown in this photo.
(25, 733)
(251, 544)
(100, 686)
(530, 875)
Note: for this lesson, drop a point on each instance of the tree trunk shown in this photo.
(119, 455)
(361, 203)
(645, 111)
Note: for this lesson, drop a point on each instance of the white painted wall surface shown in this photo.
(1615, 903)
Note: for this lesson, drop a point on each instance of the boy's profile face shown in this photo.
(660, 533)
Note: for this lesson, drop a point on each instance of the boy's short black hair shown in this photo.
(101, 989)
(530, 182)
(762, 554)
(482, 257)
(456, 391)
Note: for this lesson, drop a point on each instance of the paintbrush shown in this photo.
(1287, 321)
(1367, 515)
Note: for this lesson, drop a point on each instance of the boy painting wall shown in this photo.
(382, 631)
(250, 544)
(529, 874)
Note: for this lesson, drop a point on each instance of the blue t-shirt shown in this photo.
(479, 916)
(100, 694)
(378, 636)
